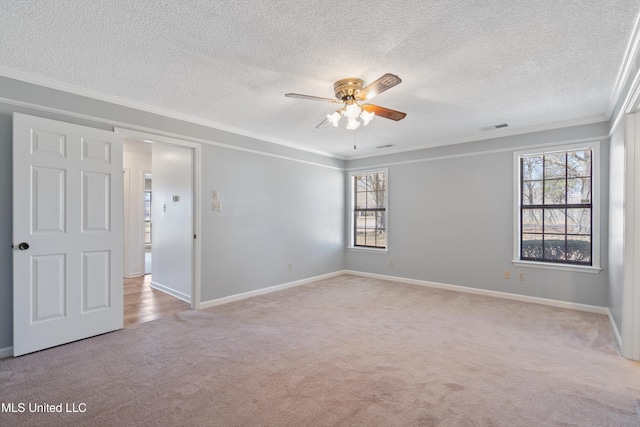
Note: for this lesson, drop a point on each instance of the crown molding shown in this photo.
(630, 57)
(124, 102)
(494, 134)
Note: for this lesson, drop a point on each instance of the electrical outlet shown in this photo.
(506, 274)
(290, 266)
(521, 276)
(214, 195)
(217, 206)
(391, 262)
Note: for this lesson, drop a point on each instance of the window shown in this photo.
(369, 209)
(557, 213)
(147, 217)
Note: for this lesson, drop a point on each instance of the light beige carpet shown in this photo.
(346, 351)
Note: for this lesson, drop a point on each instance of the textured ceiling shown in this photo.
(464, 65)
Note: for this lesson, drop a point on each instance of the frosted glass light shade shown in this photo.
(352, 111)
(366, 117)
(353, 124)
(334, 118)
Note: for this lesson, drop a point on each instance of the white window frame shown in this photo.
(595, 208)
(351, 195)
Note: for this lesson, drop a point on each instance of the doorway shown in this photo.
(78, 169)
(162, 209)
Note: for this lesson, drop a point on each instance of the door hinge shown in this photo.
(194, 236)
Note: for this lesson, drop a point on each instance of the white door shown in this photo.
(67, 233)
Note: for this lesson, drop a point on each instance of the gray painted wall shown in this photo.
(281, 205)
(274, 212)
(432, 195)
(172, 248)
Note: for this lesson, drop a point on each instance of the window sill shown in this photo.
(563, 267)
(370, 250)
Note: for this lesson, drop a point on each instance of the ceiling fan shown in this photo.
(352, 92)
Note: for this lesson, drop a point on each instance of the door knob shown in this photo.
(23, 246)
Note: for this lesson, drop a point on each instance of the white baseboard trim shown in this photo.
(616, 332)
(133, 274)
(457, 288)
(244, 295)
(6, 352)
(486, 292)
(172, 292)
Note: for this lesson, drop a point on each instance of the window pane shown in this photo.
(554, 221)
(553, 231)
(381, 219)
(370, 229)
(555, 192)
(370, 220)
(361, 220)
(531, 246)
(555, 165)
(372, 199)
(532, 193)
(578, 190)
(531, 168)
(532, 220)
(367, 237)
(382, 182)
(579, 221)
(554, 247)
(579, 163)
(369, 204)
(579, 249)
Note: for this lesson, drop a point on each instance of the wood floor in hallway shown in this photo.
(142, 303)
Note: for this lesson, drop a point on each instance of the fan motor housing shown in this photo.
(347, 89)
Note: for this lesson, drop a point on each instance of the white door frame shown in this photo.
(197, 178)
(126, 176)
(630, 329)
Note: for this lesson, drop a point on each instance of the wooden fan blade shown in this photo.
(384, 112)
(312, 98)
(383, 83)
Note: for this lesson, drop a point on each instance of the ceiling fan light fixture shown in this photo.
(353, 124)
(351, 92)
(334, 118)
(366, 116)
(352, 111)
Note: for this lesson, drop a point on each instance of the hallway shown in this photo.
(143, 303)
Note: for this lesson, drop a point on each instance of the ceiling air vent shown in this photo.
(494, 127)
